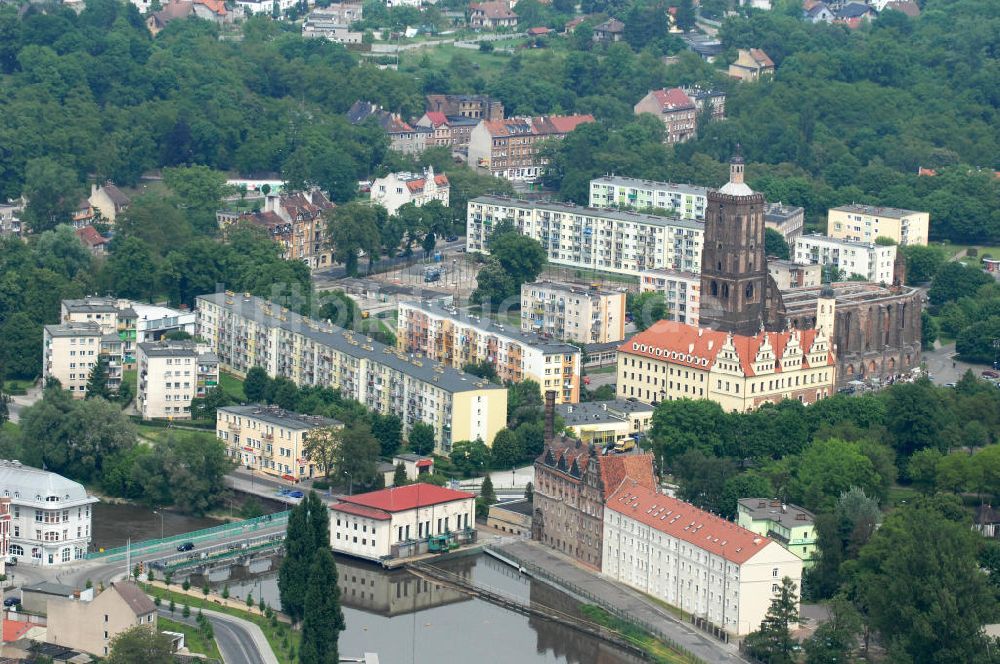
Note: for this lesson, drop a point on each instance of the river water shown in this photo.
(407, 620)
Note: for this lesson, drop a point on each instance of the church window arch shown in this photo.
(715, 289)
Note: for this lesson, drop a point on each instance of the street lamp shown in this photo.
(160, 513)
(350, 486)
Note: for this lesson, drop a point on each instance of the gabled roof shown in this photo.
(398, 499)
(854, 10)
(539, 31)
(672, 99)
(90, 237)
(616, 468)
(761, 58)
(217, 6)
(494, 10)
(908, 7)
(138, 601)
(172, 11)
(417, 186)
(686, 522)
(543, 125)
(612, 25)
(116, 195)
(437, 118)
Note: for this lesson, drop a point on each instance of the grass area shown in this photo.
(677, 612)
(656, 650)
(9, 427)
(194, 639)
(901, 494)
(280, 635)
(232, 386)
(602, 370)
(16, 386)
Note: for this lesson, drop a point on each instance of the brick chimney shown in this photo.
(550, 415)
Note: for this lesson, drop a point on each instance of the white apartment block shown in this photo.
(872, 261)
(449, 336)
(681, 290)
(50, 515)
(586, 238)
(171, 375)
(686, 201)
(70, 351)
(696, 561)
(133, 322)
(866, 223)
(571, 312)
(247, 331)
(397, 189)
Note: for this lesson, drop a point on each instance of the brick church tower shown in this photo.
(736, 290)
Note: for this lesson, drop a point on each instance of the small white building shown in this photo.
(402, 521)
(872, 261)
(414, 464)
(397, 189)
(50, 515)
(171, 374)
(701, 563)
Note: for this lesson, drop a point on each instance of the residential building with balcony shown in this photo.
(49, 515)
(456, 339)
(71, 350)
(708, 98)
(475, 107)
(675, 109)
(451, 131)
(680, 290)
(133, 322)
(509, 148)
(786, 219)
(866, 223)
(791, 526)
(788, 274)
(398, 189)
(587, 238)
(872, 261)
(704, 565)
(686, 201)
(671, 361)
(270, 439)
(171, 374)
(491, 16)
(402, 522)
(246, 331)
(571, 312)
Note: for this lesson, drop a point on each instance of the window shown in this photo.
(774, 572)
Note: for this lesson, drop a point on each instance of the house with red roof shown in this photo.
(671, 361)
(510, 148)
(676, 109)
(94, 241)
(402, 522)
(491, 16)
(709, 567)
(751, 65)
(397, 189)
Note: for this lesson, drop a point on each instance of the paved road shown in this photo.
(19, 403)
(944, 368)
(336, 272)
(240, 641)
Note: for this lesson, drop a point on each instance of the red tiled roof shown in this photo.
(615, 468)
(437, 118)
(217, 6)
(539, 31)
(761, 57)
(418, 185)
(14, 630)
(908, 7)
(546, 124)
(686, 522)
(672, 99)
(360, 510)
(425, 463)
(493, 9)
(90, 237)
(567, 123)
(698, 348)
(400, 499)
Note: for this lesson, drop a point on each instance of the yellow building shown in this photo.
(606, 422)
(587, 314)
(866, 223)
(671, 361)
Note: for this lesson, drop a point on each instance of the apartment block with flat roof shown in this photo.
(71, 350)
(791, 526)
(686, 201)
(247, 331)
(587, 238)
(866, 223)
(587, 314)
(457, 339)
(681, 290)
(872, 261)
(171, 375)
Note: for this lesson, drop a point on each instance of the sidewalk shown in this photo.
(626, 600)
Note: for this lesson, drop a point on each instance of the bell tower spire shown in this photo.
(736, 166)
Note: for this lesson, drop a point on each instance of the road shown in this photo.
(331, 274)
(943, 366)
(19, 403)
(238, 640)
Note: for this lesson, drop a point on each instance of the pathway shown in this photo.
(943, 366)
(240, 641)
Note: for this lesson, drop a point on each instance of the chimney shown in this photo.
(550, 415)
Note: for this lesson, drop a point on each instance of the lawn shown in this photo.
(901, 494)
(15, 386)
(656, 650)
(278, 634)
(232, 386)
(194, 639)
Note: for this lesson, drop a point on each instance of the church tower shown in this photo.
(734, 278)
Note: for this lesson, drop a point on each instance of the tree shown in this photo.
(775, 244)
(357, 455)
(322, 447)
(834, 640)
(140, 644)
(20, 350)
(421, 438)
(293, 575)
(520, 256)
(399, 476)
(53, 192)
(199, 190)
(493, 285)
(97, 383)
(506, 450)
(323, 618)
(646, 308)
(919, 582)
(483, 369)
(929, 330)
(922, 262)
(826, 469)
(256, 385)
(353, 229)
(388, 429)
(131, 270)
(686, 424)
(470, 457)
(685, 15)
(916, 417)
(529, 491)
(188, 471)
(486, 492)
(955, 280)
(975, 343)
(773, 642)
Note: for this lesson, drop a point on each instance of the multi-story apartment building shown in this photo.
(270, 439)
(866, 223)
(397, 189)
(791, 526)
(706, 97)
(133, 322)
(171, 374)
(680, 290)
(686, 201)
(5, 518)
(675, 109)
(70, 351)
(448, 336)
(696, 561)
(607, 240)
(88, 623)
(509, 148)
(587, 314)
(478, 107)
(788, 274)
(786, 219)
(671, 361)
(247, 331)
(297, 222)
(872, 261)
(50, 515)
(448, 130)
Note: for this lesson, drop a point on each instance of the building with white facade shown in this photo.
(872, 261)
(247, 331)
(696, 561)
(789, 274)
(133, 322)
(71, 350)
(402, 521)
(681, 290)
(397, 189)
(587, 314)
(786, 219)
(686, 201)
(171, 374)
(587, 238)
(50, 515)
(867, 223)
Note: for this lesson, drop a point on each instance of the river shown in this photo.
(407, 620)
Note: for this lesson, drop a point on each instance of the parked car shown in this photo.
(186, 546)
(296, 494)
(990, 374)
(451, 238)
(12, 601)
